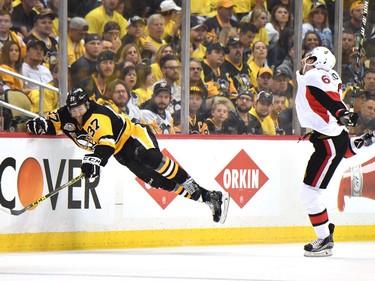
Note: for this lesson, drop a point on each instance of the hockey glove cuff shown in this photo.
(91, 167)
(37, 126)
(347, 118)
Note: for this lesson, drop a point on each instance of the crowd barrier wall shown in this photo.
(262, 174)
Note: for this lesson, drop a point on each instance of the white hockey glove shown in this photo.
(38, 126)
(91, 167)
(347, 118)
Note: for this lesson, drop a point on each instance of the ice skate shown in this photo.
(218, 203)
(321, 247)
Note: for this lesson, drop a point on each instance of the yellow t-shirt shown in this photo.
(267, 124)
(97, 18)
(143, 95)
(50, 102)
(75, 52)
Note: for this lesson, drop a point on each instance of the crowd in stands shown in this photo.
(126, 53)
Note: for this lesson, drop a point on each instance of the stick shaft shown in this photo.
(41, 199)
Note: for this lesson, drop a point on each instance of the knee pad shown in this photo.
(311, 199)
(152, 158)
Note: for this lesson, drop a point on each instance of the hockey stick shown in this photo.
(359, 55)
(41, 199)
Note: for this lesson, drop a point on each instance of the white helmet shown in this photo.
(324, 59)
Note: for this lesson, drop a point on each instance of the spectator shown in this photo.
(234, 67)
(366, 119)
(172, 16)
(155, 113)
(278, 52)
(227, 33)
(215, 78)
(145, 80)
(99, 16)
(223, 18)
(261, 111)
(77, 31)
(348, 43)
(195, 67)
(23, 17)
(111, 32)
(32, 66)
(10, 59)
(247, 33)
(107, 45)
(129, 76)
(42, 31)
(130, 53)
(280, 19)
(310, 41)
(278, 106)
(219, 114)
(155, 66)
(170, 66)
(50, 98)
(198, 31)
(117, 97)
(154, 40)
(7, 5)
(240, 121)
(8, 35)
(259, 18)
(282, 83)
(86, 65)
(197, 123)
(259, 60)
(356, 14)
(96, 83)
(350, 71)
(369, 82)
(317, 20)
(264, 81)
(135, 33)
(285, 120)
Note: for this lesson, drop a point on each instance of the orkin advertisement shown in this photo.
(263, 177)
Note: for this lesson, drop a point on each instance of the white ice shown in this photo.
(350, 261)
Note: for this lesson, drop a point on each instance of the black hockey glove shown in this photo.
(37, 126)
(347, 118)
(91, 167)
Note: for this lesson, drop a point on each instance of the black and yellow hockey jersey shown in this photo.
(103, 131)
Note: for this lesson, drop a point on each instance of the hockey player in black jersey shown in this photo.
(100, 130)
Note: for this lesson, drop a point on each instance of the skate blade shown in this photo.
(323, 253)
(225, 199)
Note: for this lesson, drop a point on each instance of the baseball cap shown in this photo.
(161, 86)
(196, 89)
(111, 25)
(317, 5)
(135, 19)
(225, 3)
(40, 16)
(263, 70)
(196, 23)
(233, 41)
(92, 37)
(355, 5)
(215, 46)
(79, 23)
(264, 96)
(169, 5)
(282, 71)
(105, 55)
(32, 42)
(248, 93)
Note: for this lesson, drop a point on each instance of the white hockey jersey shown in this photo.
(318, 101)
(158, 124)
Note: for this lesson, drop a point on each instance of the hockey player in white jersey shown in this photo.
(320, 107)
